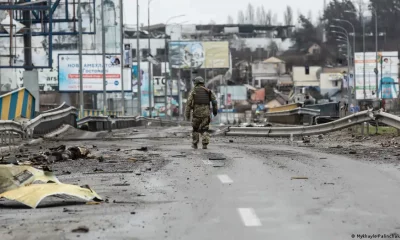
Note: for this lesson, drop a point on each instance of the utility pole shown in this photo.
(103, 43)
(179, 84)
(166, 78)
(376, 50)
(80, 58)
(150, 70)
(121, 15)
(363, 30)
(139, 71)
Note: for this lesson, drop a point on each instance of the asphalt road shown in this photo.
(246, 193)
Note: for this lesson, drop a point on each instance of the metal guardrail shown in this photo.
(342, 123)
(297, 111)
(62, 106)
(388, 119)
(101, 123)
(50, 121)
(8, 129)
(293, 116)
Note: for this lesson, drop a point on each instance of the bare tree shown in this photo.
(230, 19)
(361, 8)
(275, 19)
(288, 20)
(250, 15)
(268, 18)
(263, 16)
(258, 16)
(288, 16)
(273, 49)
(310, 16)
(240, 18)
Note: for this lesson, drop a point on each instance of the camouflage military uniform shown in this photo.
(201, 114)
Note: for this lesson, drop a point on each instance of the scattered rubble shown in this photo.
(306, 139)
(142, 149)
(81, 229)
(299, 178)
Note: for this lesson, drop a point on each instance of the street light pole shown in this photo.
(103, 43)
(80, 59)
(139, 71)
(353, 55)
(121, 13)
(363, 27)
(348, 65)
(376, 52)
(150, 73)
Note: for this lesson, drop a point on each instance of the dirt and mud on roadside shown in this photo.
(383, 147)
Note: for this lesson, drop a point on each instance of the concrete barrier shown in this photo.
(17, 104)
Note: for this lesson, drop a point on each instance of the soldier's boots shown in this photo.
(204, 146)
(194, 146)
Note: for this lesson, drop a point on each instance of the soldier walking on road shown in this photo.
(199, 102)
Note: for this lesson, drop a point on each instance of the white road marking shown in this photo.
(249, 217)
(225, 179)
(207, 162)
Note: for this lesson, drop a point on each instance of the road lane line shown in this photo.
(207, 162)
(225, 179)
(249, 217)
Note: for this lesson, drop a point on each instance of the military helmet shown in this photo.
(199, 80)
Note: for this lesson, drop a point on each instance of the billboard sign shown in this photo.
(68, 73)
(388, 81)
(172, 96)
(186, 54)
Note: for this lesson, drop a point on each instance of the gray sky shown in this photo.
(203, 11)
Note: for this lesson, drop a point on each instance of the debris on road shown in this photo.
(306, 139)
(89, 173)
(231, 141)
(56, 154)
(299, 178)
(81, 229)
(78, 152)
(216, 158)
(13, 177)
(121, 184)
(353, 152)
(338, 146)
(32, 195)
(178, 156)
(142, 149)
(66, 210)
(329, 184)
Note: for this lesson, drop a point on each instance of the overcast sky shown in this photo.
(203, 11)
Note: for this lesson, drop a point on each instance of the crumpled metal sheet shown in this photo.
(32, 195)
(12, 176)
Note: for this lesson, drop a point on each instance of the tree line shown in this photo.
(360, 13)
(260, 16)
